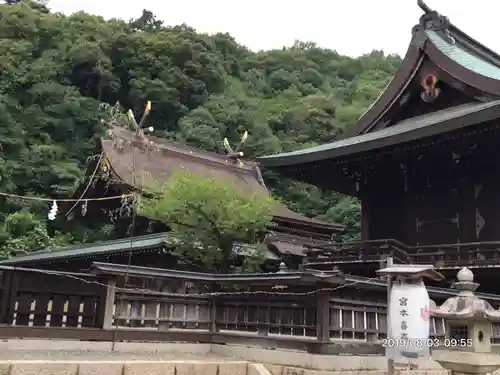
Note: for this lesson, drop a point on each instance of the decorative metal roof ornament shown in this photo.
(235, 154)
(431, 92)
(432, 20)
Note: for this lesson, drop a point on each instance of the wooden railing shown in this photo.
(252, 314)
(48, 300)
(355, 252)
(301, 310)
(457, 255)
(446, 256)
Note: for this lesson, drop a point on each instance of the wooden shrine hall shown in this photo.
(129, 160)
(424, 159)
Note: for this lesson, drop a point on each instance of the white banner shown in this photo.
(408, 321)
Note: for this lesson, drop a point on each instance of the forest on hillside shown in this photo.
(55, 70)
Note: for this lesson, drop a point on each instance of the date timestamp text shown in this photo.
(415, 344)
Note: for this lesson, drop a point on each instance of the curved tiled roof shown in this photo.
(104, 249)
(449, 48)
(404, 131)
(462, 56)
(434, 41)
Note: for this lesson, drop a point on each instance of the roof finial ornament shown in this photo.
(144, 143)
(139, 127)
(432, 20)
(235, 154)
(422, 5)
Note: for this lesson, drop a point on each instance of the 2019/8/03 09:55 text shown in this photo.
(431, 343)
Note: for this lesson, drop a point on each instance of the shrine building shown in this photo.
(424, 157)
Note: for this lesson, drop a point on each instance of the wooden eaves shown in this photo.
(333, 277)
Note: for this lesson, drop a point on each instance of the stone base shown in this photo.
(120, 368)
(279, 362)
(73, 351)
(172, 368)
(467, 362)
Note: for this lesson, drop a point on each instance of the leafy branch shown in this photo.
(209, 217)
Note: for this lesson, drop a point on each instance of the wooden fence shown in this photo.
(301, 310)
(35, 299)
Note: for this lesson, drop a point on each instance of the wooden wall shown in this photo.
(445, 195)
(384, 208)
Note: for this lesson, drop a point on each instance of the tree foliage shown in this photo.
(55, 71)
(208, 216)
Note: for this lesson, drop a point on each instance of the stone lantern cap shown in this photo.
(412, 271)
(465, 305)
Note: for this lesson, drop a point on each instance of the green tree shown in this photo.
(57, 70)
(22, 231)
(209, 217)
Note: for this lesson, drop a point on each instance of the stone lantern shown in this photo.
(466, 348)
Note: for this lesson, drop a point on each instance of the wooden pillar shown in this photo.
(365, 217)
(213, 315)
(467, 207)
(263, 319)
(6, 296)
(214, 307)
(410, 224)
(389, 263)
(108, 305)
(323, 315)
(14, 285)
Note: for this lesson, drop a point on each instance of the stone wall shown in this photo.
(174, 368)
(122, 368)
(285, 370)
(26, 356)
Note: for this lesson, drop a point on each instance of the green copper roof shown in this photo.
(133, 244)
(404, 131)
(89, 250)
(463, 57)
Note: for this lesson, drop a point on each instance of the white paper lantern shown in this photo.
(408, 319)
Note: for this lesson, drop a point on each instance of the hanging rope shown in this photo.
(89, 183)
(42, 199)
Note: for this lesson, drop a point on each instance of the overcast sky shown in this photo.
(351, 27)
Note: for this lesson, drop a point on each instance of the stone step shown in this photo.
(124, 368)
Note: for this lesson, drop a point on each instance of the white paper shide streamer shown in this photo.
(53, 211)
